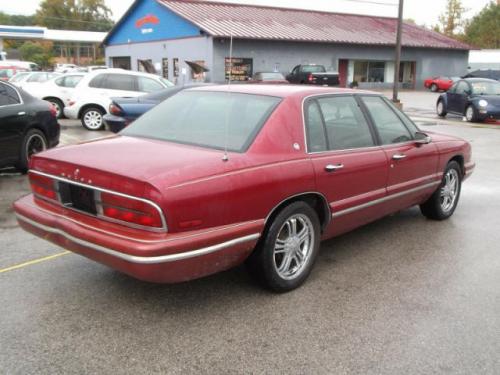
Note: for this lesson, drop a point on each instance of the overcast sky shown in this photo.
(423, 11)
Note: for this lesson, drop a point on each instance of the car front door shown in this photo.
(12, 118)
(457, 100)
(412, 166)
(350, 169)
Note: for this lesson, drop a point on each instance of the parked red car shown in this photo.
(259, 174)
(7, 72)
(440, 83)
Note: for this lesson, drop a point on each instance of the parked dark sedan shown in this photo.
(27, 126)
(123, 111)
(477, 99)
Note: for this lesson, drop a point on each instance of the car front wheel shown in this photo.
(471, 114)
(434, 87)
(34, 141)
(443, 202)
(285, 255)
(92, 119)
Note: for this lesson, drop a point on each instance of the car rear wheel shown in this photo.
(285, 255)
(440, 110)
(470, 113)
(34, 141)
(443, 202)
(92, 118)
(434, 87)
(58, 105)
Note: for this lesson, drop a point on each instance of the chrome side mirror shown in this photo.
(422, 138)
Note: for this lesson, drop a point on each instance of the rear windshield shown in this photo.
(313, 69)
(218, 120)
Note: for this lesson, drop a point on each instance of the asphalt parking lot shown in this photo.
(403, 295)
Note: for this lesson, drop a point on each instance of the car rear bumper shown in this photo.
(167, 259)
(115, 123)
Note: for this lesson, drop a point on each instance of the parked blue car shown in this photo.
(123, 111)
(478, 99)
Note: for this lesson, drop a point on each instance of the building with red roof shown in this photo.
(177, 35)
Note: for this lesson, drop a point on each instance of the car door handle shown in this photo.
(333, 168)
(398, 156)
(21, 113)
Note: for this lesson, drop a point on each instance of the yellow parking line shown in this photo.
(34, 261)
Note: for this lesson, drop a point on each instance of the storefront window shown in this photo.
(369, 71)
(164, 68)
(176, 66)
(241, 69)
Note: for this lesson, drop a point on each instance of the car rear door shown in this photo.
(12, 119)
(412, 167)
(350, 169)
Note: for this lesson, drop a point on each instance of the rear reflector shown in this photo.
(130, 210)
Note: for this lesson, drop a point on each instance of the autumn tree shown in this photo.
(88, 15)
(37, 52)
(483, 30)
(451, 21)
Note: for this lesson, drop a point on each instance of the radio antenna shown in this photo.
(226, 124)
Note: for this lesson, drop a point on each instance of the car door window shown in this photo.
(121, 82)
(316, 139)
(8, 95)
(149, 85)
(345, 125)
(98, 81)
(389, 126)
(453, 88)
(462, 88)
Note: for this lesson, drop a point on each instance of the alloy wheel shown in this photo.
(449, 190)
(93, 119)
(293, 246)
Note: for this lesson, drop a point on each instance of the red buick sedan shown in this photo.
(211, 178)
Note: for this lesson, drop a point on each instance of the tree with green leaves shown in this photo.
(16, 19)
(451, 21)
(483, 30)
(40, 53)
(88, 15)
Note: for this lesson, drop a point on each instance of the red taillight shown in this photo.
(115, 109)
(43, 186)
(53, 110)
(310, 77)
(130, 210)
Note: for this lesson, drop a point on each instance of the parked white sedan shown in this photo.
(57, 91)
(93, 94)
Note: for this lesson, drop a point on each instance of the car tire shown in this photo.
(34, 141)
(443, 202)
(434, 87)
(440, 109)
(471, 114)
(59, 106)
(285, 255)
(92, 118)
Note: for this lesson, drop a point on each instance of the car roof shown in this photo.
(280, 90)
(120, 71)
(477, 79)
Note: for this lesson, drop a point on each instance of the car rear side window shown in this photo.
(98, 81)
(122, 82)
(336, 123)
(389, 126)
(218, 120)
(8, 95)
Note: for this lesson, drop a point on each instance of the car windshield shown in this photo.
(485, 88)
(313, 69)
(271, 76)
(218, 120)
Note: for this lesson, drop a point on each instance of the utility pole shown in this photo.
(398, 54)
